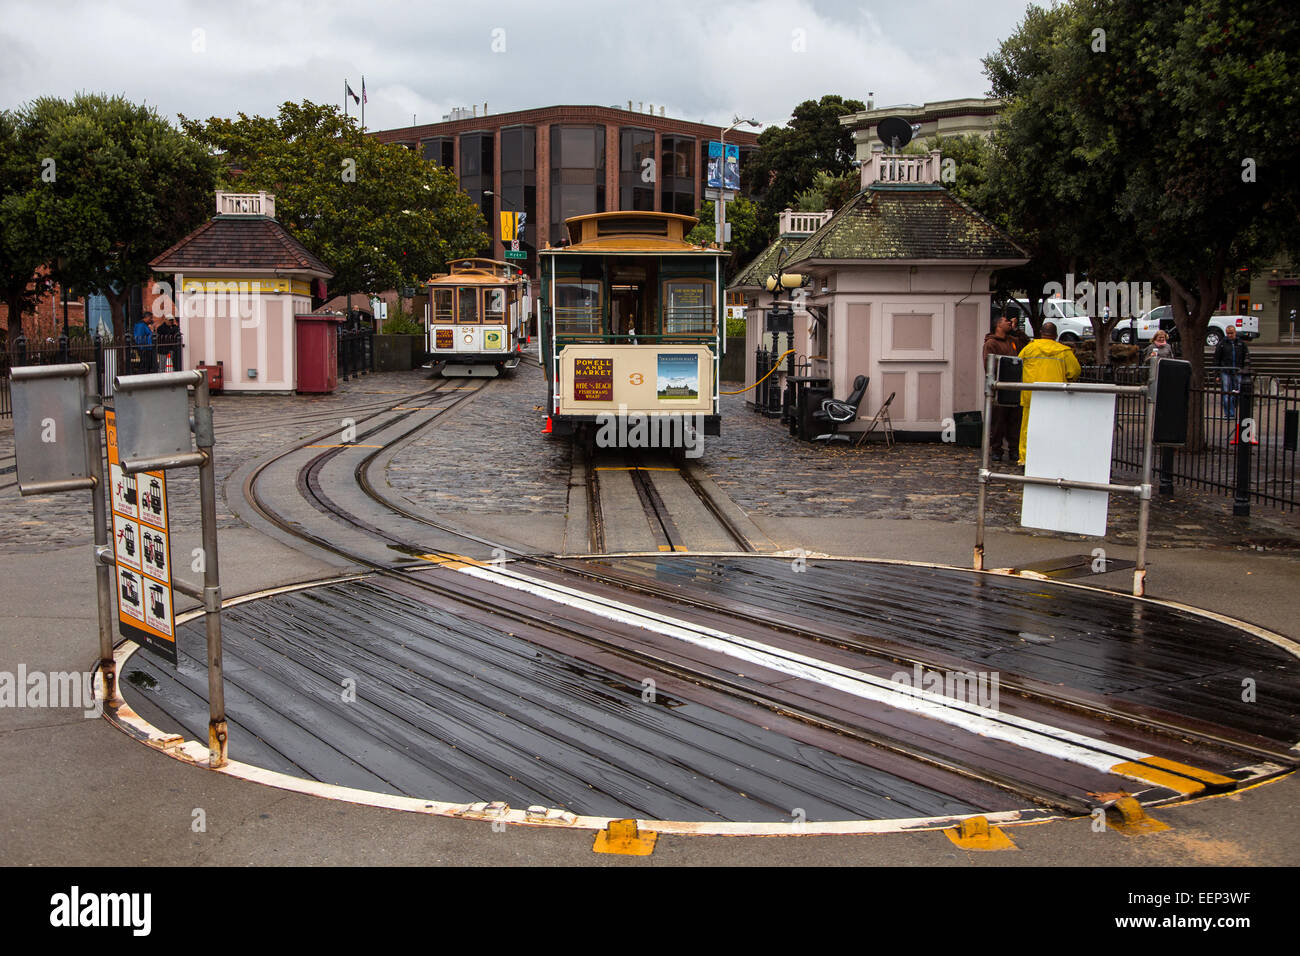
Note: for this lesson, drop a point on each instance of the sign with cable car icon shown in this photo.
(142, 546)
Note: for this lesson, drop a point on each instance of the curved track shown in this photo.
(757, 656)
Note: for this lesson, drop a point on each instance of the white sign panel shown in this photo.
(1069, 437)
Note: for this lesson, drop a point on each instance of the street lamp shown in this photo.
(720, 209)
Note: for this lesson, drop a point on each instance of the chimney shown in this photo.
(661, 111)
(485, 109)
(629, 106)
(871, 103)
(475, 110)
(640, 106)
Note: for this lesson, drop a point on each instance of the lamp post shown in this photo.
(720, 209)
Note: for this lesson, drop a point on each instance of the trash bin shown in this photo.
(970, 429)
(317, 336)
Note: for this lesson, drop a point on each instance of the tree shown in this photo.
(20, 254)
(789, 157)
(746, 234)
(829, 192)
(377, 214)
(111, 184)
(1150, 140)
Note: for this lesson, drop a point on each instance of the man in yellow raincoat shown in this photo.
(1045, 360)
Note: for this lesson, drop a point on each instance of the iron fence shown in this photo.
(1249, 429)
(356, 352)
(111, 358)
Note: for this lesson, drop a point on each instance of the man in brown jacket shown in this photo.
(1004, 424)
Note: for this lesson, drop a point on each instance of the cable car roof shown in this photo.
(477, 271)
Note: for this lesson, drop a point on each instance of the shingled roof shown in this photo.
(754, 275)
(913, 221)
(240, 242)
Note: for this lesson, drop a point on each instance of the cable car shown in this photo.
(154, 496)
(156, 600)
(631, 341)
(128, 539)
(159, 552)
(148, 547)
(478, 317)
(129, 495)
(130, 592)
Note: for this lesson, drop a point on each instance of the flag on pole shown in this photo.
(356, 99)
(363, 90)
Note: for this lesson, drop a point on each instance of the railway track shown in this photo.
(833, 668)
(654, 502)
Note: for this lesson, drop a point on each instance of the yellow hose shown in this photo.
(775, 366)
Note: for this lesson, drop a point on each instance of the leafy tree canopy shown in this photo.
(1150, 141)
(746, 232)
(377, 214)
(105, 186)
(789, 157)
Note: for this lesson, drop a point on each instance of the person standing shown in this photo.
(1045, 360)
(1160, 347)
(1004, 421)
(1231, 358)
(142, 336)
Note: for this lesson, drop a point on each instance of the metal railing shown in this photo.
(165, 353)
(356, 352)
(689, 321)
(1250, 437)
(577, 320)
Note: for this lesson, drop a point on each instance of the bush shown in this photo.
(401, 325)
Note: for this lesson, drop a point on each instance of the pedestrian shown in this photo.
(143, 348)
(1160, 347)
(1045, 360)
(1231, 358)
(1004, 422)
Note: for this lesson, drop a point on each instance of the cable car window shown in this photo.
(494, 305)
(442, 306)
(467, 305)
(577, 308)
(688, 307)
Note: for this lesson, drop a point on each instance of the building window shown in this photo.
(677, 175)
(519, 186)
(577, 174)
(476, 169)
(636, 179)
(441, 151)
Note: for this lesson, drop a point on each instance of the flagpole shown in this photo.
(345, 98)
(363, 102)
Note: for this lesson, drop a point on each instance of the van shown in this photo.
(1071, 324)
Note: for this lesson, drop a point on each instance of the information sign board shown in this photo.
(142, 547)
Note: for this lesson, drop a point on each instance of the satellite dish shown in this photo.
(894, 131)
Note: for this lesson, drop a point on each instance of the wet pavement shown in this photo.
(769, 474)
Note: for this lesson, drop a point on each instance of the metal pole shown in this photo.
(989, 365)
(1244, 430)
(218, 737)
(94, 412)
(1144, 508)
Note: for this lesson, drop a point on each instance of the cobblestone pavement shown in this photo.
(766, 472)
(247, 427)
(489, 456)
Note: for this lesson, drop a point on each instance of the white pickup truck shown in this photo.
(1162, 317)
(1071, 324)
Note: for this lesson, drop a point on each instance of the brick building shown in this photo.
(560, 161)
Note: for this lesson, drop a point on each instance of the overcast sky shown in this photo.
(703, 61)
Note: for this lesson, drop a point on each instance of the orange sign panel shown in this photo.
(142, 547)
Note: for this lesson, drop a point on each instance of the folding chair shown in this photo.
(881, 421)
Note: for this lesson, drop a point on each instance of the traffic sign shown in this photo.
(514, 245)
(516, 254)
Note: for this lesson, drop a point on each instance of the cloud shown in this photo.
(703, 62)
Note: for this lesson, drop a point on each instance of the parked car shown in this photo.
(1071, 324)
(1162, 317)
